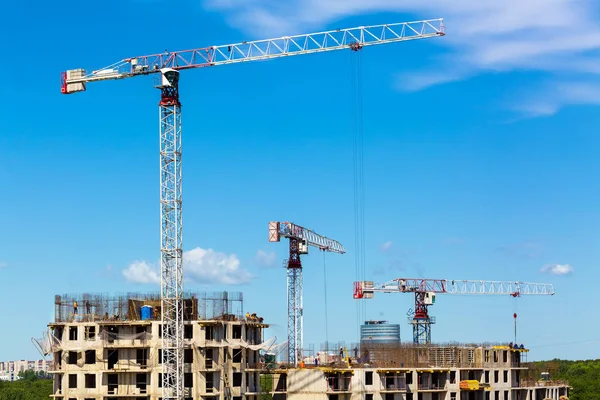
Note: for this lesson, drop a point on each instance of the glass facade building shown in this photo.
(379, 332)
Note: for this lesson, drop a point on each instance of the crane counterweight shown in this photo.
(70, 76)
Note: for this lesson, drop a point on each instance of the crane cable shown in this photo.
(325, 295)
(358, 172)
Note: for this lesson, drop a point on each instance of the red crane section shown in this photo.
(426, 289)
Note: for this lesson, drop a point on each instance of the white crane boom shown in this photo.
(285, 46)
(455, 286)
(291, 230)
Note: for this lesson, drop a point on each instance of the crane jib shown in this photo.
(339, 39)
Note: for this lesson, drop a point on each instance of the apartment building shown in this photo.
(114, 352)
(110, 348)
(410, 372)
(9, 370)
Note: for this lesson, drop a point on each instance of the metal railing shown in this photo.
(432, 386)
(339, 383)
(393, 382)
(541, 383)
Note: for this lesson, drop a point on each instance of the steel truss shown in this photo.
(295, 310)
(354, 38)
(288, 229)
(171, 244)
(456, 286)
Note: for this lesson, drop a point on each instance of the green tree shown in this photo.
(28, 387)
(28, 375)
(583, 375)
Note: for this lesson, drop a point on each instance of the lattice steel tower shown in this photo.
(171, 235)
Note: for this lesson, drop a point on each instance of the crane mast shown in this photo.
(168, 64)
(171, 261)
(425, 290)
(300, 238)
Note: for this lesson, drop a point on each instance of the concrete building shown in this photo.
(113, 351)
(409, 372)
(9, 370)
(110, 348)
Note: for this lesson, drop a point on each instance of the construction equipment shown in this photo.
(300, 238)
(426, 289)
(169, 65)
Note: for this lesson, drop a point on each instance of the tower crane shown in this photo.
(168, 65)
(300, 238)
(426, 289)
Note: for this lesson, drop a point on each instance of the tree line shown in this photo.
(583, 376)
(30, 386)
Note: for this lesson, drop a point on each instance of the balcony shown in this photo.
(431, 380)
(339, 384)
(124, 339)
(393, 383)
(432, 386)
(127, 366)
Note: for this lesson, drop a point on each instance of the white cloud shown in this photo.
(209, 266)
(553, 96)
(141, 272)
(386, 246)
(557, 37)
(3, 265)
(200, 266)
(557, 269)
(265, 259)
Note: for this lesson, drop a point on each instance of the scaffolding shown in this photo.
(450, 355)
(127, 307)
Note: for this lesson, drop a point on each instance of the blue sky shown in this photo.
(480, 162)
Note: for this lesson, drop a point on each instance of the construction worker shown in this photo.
(88, 307)
(75, 307)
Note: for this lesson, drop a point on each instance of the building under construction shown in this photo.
(109, 347)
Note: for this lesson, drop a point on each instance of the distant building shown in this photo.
(379, 332)
(9, 370)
